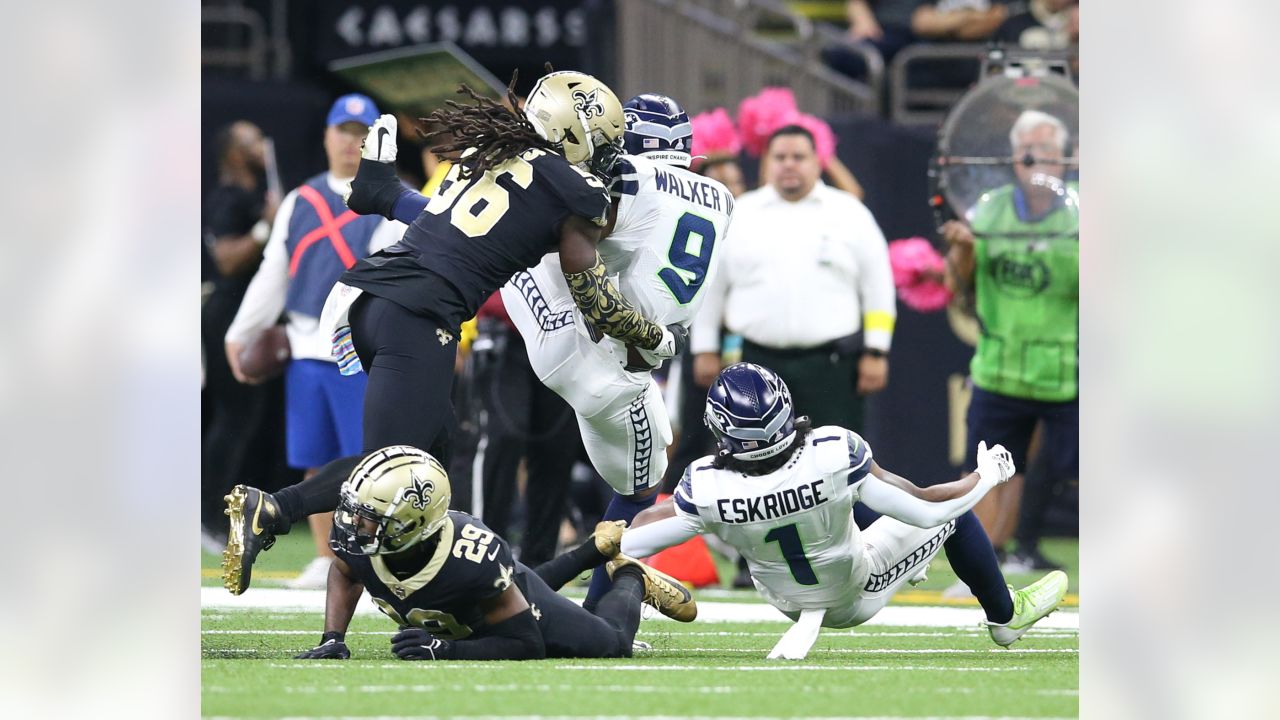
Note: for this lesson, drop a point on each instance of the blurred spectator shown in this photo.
(807, 283)
(1019, 256)
(315, 241)
(882, 24)
(525, 420)
(1042, 25)
(958, 20)
(237, 219)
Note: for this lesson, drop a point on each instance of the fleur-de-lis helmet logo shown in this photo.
(588, 104)
(419, 492)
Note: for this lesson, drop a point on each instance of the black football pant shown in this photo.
(569, 631)
(409, 359)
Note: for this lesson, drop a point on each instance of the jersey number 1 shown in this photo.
(788, 539)
(684, 286)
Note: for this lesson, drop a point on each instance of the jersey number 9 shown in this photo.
(690, 256)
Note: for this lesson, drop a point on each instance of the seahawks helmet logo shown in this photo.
(419, 493)
(587, 104)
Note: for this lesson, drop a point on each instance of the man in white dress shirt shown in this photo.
(806, 282)
(315, 238)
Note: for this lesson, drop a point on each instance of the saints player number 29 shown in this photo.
(690, 252)
(439, 624)
(473, 544)
(788, 539)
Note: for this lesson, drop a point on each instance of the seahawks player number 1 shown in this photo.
(689, 255)
(788, 539)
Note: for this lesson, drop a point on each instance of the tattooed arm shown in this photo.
(599, 299)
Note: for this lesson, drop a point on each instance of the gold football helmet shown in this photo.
(395, 498)
(582, 115)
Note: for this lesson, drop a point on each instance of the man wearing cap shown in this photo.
(314, 240)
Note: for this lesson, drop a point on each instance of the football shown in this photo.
(265, 356)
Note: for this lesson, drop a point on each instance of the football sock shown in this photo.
(316, 494)
(620, 508)
(974, 561)
(620, 607)
(558, 571)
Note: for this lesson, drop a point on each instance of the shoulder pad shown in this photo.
(686, 497)
(837, 450)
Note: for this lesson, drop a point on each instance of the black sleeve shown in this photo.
(583, 193)
(516, 638)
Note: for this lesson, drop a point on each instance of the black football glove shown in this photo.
(331, 647)
(413, 643)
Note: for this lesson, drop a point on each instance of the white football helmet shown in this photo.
(581, 115)
(395, 498)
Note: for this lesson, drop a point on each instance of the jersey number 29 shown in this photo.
(690, 255)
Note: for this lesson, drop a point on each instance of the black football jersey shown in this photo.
(475, 233)
(471, 563)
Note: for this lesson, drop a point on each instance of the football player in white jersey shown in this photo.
(661, 246)
(782, 493)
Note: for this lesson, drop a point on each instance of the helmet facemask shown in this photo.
(396, 498)
(580, 115)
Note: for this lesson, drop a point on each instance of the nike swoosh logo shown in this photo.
(382, 132)
(494, 554)
(257, 529)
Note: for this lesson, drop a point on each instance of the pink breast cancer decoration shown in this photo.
(714, 134)
(762, 113)
(919, 274)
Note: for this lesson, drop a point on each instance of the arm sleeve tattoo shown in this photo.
(606, 308)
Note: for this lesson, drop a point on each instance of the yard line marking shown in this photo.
(417, 667)
(842, 668)
(868, 636)
(891, 651)
(708, 611)
(643, 717)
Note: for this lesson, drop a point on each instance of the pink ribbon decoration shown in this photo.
(919, 274)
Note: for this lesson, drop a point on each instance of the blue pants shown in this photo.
(323, 412)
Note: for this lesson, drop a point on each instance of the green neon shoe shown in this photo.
(1030, 604)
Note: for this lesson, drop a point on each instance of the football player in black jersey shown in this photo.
(452, 586)
(525, 185)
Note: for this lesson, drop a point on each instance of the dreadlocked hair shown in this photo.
(495, 133)
(725, 461)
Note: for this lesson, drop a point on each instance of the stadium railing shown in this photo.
(233, 37)
(925, 104)
(710, 53)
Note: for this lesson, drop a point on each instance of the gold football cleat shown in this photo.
(662, 591)
(253, 518)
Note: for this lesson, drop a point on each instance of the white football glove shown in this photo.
(995, 463)
(380, 144)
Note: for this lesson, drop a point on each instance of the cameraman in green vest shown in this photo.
(1018, 252)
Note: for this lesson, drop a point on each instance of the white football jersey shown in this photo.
(663, 246)
(795, 525)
